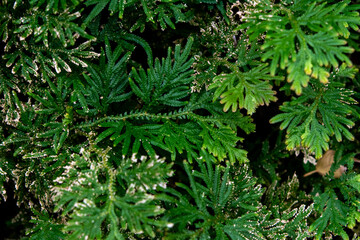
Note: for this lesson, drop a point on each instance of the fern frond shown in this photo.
(106, 82)
(316, 29)
(285, 219)
(244, 89)
(129, 202)
(337, 210)
(56, 27)
(222, 143)
(333, 216)
(313, 118)
(41, 41)
(44, 228)
(167, 82)
(161, 12)
(165, 131)
(142, 43)
(214, 188)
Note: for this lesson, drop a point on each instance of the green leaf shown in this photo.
(135, 211)
(244, 90)
(165, 82)
(302, 40)
(312, 119)
(96, 10)
(214, 193)
(333, 216)
(106, 82)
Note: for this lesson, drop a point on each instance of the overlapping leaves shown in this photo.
(93, 190)
(37, 42)
(55, 5)
(183, 130)
(303, 40)
(167, 82)
(162, 12)
(170, 132)
(216, 204)
(284, 220)
(105, 83)
(337, 209)
(321, 112)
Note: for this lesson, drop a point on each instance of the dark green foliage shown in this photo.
(225, 206)
(55, 5)
(111, 194)
(218, 196)
(103, 88)
(44, 229)
(337, 208)
(334, 213)
(37, 42)
(161, 12)
(285, 218)
(115, 120)
(165, 83)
